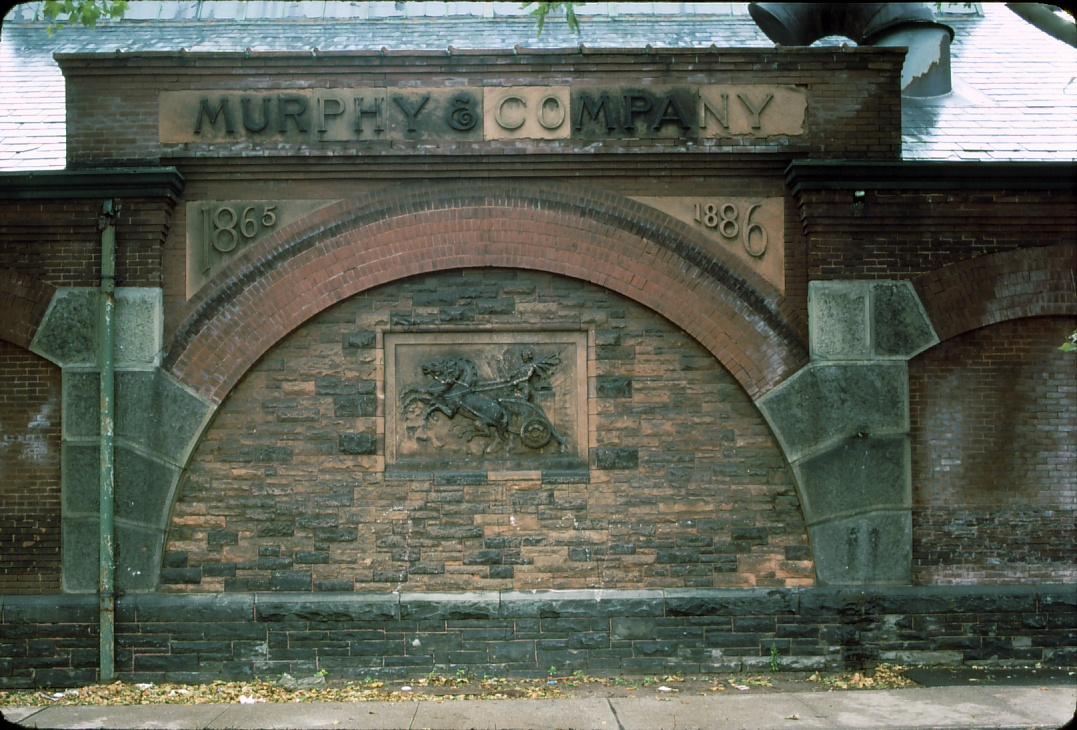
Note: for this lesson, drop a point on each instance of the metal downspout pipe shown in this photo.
(107, 557)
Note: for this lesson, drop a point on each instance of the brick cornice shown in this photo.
(135, 182)
(803, 175)
(630, 61)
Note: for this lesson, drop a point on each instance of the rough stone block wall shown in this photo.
(685, 485)
(51, 641)
(29, 472)
(57, 241)
(994, 430)
(895, 234)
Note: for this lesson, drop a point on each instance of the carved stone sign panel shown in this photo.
(473, 400)
(750, 228)
(219, 230)
(471, 114)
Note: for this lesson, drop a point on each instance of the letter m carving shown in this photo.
(592, 108)
(223, 109)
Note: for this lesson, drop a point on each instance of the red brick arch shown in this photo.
(23, 301)
(608, 240)
(1027, 282)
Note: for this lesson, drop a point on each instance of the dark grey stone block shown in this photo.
(574, 476)
(65, 677)
(359, 444)
(334, 385)
(825, 403)
(449, 606)
(51, 609)
(610, 386)
(68, 333)
(616, 457)
(315, 607)
(1056, 597)
(627, 629)
(154, 412)
(858, 475)
(194, 608)
(712, 602)
(290, 580)
(177, 576)
(360, 340)
(584, 603)
(900, 327)
(866, 549)
(512, 651)
(460, 478)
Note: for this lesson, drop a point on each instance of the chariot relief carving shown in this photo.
(471, 399)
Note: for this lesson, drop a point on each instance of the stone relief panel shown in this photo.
(470, 400)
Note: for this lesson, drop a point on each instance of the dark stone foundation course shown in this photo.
(51, 641)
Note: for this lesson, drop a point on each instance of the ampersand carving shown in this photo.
(461, 116)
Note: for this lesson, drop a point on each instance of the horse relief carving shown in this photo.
(503, 411)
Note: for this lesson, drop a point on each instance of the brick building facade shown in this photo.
(616, 357)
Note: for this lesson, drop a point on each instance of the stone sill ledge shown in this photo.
(805, 602)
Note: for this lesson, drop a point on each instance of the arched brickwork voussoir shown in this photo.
(353, 246)
(23, 302)
(1028, 282)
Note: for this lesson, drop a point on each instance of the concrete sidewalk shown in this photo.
(939, 707)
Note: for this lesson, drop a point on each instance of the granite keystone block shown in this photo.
(870, 548)
(138, 556)
(156, 413)
(826, 403)
(857, 475)
(899, 324)
(67, 334)
(838, 319)
(139, 325)
(81, 404)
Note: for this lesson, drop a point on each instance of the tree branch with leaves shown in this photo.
(542, 11)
